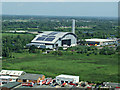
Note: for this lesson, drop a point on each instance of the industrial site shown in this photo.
(59, 46)
(11, 80)
(52, 41)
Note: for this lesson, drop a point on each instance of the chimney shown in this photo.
(73, 26)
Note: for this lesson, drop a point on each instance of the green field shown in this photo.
(13, 34)
(89, 68)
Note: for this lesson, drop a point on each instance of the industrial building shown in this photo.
(54, 39)
(67, 79)
(100, 42)
(27, 78)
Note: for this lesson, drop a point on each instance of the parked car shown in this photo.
(48, 81)
(31, 84)
(43, 81)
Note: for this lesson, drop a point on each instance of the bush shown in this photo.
(107, 51)
(59, 53)
(60, 48)
(32, 49)
(56, 53)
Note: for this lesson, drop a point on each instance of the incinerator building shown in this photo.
(54, 39)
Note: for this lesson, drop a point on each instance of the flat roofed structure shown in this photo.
(100, 42)
(67, 78)
(54, 39)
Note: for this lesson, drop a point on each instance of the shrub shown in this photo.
(60, 48)
(107, 51)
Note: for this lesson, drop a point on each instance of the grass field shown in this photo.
(89, 68)
(13, 34)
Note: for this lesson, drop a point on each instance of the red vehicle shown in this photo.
(31, 84)
(48, 81)
(88, 87)
(43, 82)
(71, 83)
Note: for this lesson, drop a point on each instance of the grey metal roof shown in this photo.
(42, 38)
(11, 84)
(30, 76)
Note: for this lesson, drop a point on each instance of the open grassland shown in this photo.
(89, 68)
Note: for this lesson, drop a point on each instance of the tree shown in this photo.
(32, 49)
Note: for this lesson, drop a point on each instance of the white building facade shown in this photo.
(67, 79)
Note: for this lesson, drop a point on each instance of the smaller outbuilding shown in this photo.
(67, 79)
(27, 78)
(100, 42)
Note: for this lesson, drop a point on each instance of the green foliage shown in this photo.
(118, 49)
(94, 27)
(14, 43)
(107, 51)
(59, 53)
(60, 48)
(32, 49)
(43, 49)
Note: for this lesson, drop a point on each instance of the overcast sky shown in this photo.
(107, 9)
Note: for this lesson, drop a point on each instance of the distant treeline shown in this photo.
(99, 27)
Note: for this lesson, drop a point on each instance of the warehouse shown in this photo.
(100, 42)
(67, 79)
(54, 39)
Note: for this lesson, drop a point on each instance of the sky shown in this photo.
(103, 9)
(60, 0)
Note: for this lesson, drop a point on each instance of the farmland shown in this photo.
(89, 68)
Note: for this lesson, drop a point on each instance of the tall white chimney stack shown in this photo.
(73, 26)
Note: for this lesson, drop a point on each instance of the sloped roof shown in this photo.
(12, 72)
(11, 84)
(31, 76)
(53, 35)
